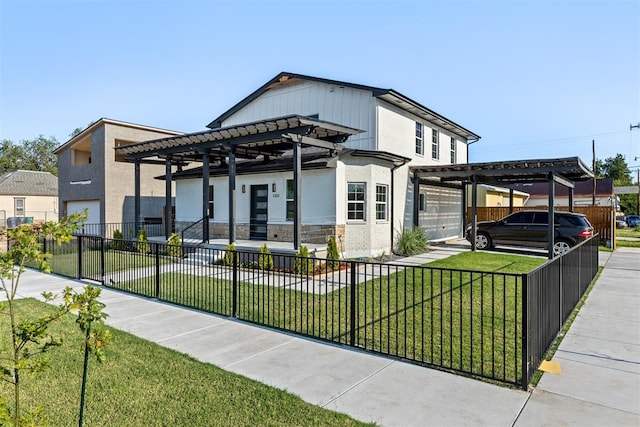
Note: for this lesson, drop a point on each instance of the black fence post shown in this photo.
(352, 305)
(234, 288)
(157, 261)
(102, 261)
(79, 257)
(525, 332)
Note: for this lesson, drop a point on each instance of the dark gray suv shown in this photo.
(530, 228)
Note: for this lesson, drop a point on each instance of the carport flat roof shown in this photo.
(537, 170)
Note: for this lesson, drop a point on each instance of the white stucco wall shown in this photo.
(318, 197)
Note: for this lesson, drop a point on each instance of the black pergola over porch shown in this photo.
(268, 139)
(564, 171)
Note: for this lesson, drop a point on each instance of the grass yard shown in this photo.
(439, 315)
(144, 384)
(628, 233)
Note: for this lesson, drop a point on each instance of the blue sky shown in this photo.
(536, 79)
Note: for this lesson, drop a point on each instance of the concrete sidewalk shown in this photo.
(600, 383)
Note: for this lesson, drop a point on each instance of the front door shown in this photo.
(259, 212)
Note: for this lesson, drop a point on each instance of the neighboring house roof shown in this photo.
(503, 190)
(604, 188)
(388, 95)
(101, 122)
(28, 183)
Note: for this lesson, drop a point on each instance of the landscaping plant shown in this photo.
(302, 264)
(332, 254)
(412, 241)
(229, 252)
(29, 337)
(174, 248)
(143, 242)
(265, 260)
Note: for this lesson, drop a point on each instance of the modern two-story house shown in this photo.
(319, 157)
(92, 176)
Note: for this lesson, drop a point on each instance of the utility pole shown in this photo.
(593, 155)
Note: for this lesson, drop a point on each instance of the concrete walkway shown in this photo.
(599, 358)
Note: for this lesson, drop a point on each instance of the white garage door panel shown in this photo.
(91, 225)
(442, 217)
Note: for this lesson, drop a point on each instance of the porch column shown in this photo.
(297, 196)
(136, 197)
(232, 196)
(552, 227)
(167, 198)
(416, 199)
(205, 196)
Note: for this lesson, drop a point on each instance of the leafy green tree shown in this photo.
(35, 154)
(617, 168)
(30, 338)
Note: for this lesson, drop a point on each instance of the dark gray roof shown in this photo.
(604, 187)
(28, 183)
(389, 95)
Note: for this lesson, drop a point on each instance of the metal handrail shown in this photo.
(201, 220)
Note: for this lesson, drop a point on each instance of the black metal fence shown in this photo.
(486, 324)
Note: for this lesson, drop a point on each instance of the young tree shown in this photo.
(30, 339)
(617, 168)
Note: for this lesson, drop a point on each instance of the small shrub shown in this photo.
(332, 254)
(118, 242)
(302, 264)
(230, 250)
(174, 248)
(265, 260)
(143, 242)
(412, 241)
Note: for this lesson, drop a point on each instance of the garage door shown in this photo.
(441, 212)
(92, 225)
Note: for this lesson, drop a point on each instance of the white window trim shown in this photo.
(287, 199)
(211, 205)
(360, 202)
(454, 151)
(419, 139)
(385, 203)
(435, 143)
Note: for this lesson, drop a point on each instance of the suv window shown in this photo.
(570, 220)
(541, 218)
(520, 218)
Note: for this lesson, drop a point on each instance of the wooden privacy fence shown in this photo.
(599, 216)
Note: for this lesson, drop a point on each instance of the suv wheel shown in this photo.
(560, 247)
(483, 241)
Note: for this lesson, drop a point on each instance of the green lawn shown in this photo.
(628, 232)
(455, 319)
(144, 384)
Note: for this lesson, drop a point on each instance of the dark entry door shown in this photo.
(259, 212)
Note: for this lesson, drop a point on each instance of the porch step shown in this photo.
(202, 256)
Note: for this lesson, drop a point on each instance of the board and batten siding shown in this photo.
(342, 105)
(318, 197)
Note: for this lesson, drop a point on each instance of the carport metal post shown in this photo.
(474, 211)
(136, 197)
(552, 226)
(232, 195)
(205, 196)
(297, 195)
(416, 199)
(167, 198)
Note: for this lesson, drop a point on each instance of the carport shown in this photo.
(564, 171)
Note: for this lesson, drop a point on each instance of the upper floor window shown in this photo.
(419, 139)
(210, 207)
(381, 202)
(435, 144)
(356, 201)
(453, 150)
